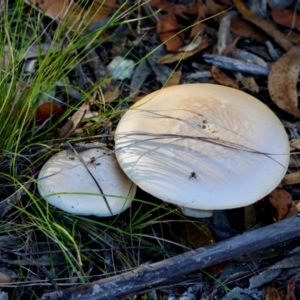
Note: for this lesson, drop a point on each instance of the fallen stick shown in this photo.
(147, 276)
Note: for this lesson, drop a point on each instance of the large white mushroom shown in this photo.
(202, 147)
(65, 182)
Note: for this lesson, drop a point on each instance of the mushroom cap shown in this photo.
(67, 178)
(202, 146)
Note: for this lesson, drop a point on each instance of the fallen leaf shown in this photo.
(272, 294)
(295, 144)
(48, 110)
(111, 91)
(165, 5)
(286, 17)
(198, 27)
(195, 235)
(75, 15)
(175, 79)
(5, 278)
(282, 201)
(294, 209)
(167, 28)
(263, 24)
(220, 77)
(213, 8)
(282, 81)
(172, 57)
(291, 178)
(75, 120)
(291, 290)
(248, 30)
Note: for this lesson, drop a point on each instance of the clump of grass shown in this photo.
(42, 60)
(45, 60)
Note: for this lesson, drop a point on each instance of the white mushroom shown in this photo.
(65, 183)
(202, 147)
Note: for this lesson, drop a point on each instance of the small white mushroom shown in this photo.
(202, 147)
(65, 182)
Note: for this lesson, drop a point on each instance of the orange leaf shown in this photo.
(246, 29)
(75, 15)
(282, 81)
(282, 201)
(263, 24)
(175, 79)
(286, 17)
(47, 110)
(221, 77)
(167, 28)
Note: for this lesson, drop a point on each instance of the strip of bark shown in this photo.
(146, 276)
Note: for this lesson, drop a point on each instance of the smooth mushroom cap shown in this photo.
(202, 146)
(67, 178)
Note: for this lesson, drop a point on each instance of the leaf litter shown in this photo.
(177, 26)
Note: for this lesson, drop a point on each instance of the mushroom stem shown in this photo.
(196, 213)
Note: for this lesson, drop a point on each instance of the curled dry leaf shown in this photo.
(282, 81)
(167, 28)
(282, 201)
(47, 110)
(263, 24)
(220, 77)
(286, 17)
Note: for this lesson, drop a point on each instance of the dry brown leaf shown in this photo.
(220, 77)
(286, 17)
(263, 24)
(282, 201)
(292, 178)
(167, 28)
(110, 91)
(190, 9)
(291, 290)
(282, 81)
(294, 209)
(230, 46)
(5, 278)
(175, 79)
(195, 235)
(293, 37)
(295, 144)
(272, 294)
(248, 30)
(199, 28)
(172, 57)
(213, 8)
(75, 120)
(75, 15)
(165, 5)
